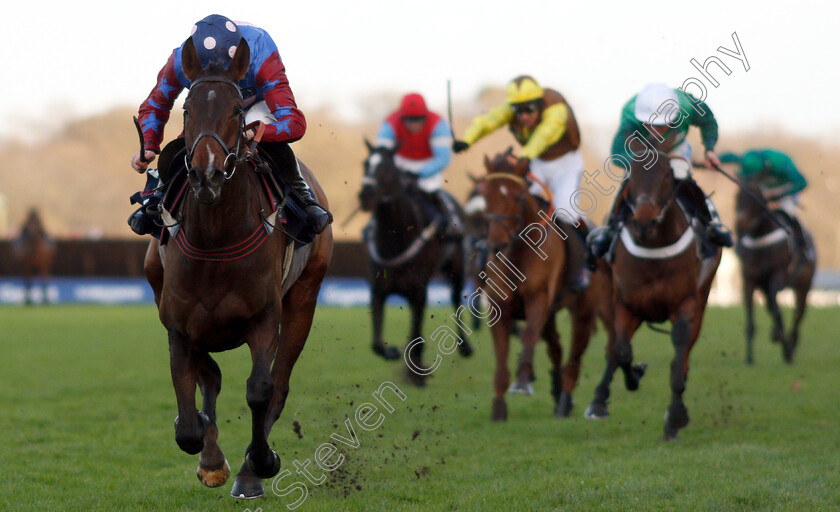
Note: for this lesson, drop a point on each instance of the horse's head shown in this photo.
(748, 212)
(505, 192)
(382, 180)
(213, 120)
(650, 191)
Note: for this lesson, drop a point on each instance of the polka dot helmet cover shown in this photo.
(215, 39)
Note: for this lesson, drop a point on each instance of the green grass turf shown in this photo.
(86, 412)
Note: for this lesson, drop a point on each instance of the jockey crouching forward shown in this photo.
(543, 123)
(779, 181)
(267, 98)
(665, 113)
(421, 139)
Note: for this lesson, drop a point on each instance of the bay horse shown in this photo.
(406, 250)
(771, 261)
(658, 275)
(35, 251)
(223, 283)
(526, 286)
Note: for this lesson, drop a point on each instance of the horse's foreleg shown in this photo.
(213, 469)
(555, 355)
(582, 325)
(749, 330)
(457, 283)
(262, 339)
(501, 344)
(773, 287)
(536, 313)
(417, 303)
(619, 353)
(801, 293)
(684, 333)
(377, 310)
(190, 425)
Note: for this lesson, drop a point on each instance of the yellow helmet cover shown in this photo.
(523, 89)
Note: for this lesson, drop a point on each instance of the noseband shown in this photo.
(210, 133)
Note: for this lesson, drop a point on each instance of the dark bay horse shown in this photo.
(223, 284)
(658, 275)
(536, 288)
(406, 249)
(36, 252)
(770, 262)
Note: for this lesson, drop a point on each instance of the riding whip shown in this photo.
(752, 196)
(142, 148)
(449, 107)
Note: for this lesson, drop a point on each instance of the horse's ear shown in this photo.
(521, 167)
(488, 164)
(509, 151)
(241, 61)
(473, 178)
(369, 145)
(189, 60)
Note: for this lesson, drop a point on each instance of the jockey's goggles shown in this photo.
(525, 108)
(413, 119)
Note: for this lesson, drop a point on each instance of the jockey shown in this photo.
(666, 113)
(778, 179)
(543, 123)
(268, 98)
(421, 139)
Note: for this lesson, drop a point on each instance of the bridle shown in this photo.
(521, 200)
(234, 155)
(646, 199)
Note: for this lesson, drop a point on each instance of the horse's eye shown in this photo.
(186, 113)
(238, 111)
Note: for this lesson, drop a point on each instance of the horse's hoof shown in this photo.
(415, 379)
(247, 488)
(637, 371)
(387, 353)
(596, 412)
(268, 468)
(521, 388)
(564, 405)
(465, 349)
(499, 410)
(676, 419)
(213, 477)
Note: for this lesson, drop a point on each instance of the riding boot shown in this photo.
(288, 170)
(439, 209)
(601, 239)
(145, 220)
(577, 261)
(801, 251)
(702, 208)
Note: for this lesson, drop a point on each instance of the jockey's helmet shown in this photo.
(523, 89)
(215, 38)
(650, 99)
(413, 106)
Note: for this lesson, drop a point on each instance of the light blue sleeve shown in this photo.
(386, 137)
(441, 154)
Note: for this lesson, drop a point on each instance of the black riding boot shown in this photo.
(288, 170)
(437, 209)
(145, 220)
(601, 239)
(704, 210)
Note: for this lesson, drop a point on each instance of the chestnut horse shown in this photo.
(526, 286)
(406, 249)
(35, 251)
(771, 261)
(224, 285)
(657, 276)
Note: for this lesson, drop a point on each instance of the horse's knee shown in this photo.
(623, 353)
(680, 333)
(259, 390)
